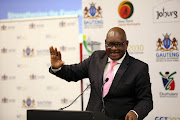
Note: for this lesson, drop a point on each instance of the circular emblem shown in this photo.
(125, 9)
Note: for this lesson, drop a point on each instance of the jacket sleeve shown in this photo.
(73, 72)
(144, 102)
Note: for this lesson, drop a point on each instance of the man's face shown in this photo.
(116, 45)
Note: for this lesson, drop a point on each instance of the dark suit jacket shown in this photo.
(130, 90)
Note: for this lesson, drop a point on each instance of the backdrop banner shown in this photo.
(25, 81)
(152, 28)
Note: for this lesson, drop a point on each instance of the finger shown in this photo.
(59, 55)
(55, 51)
(126, 118)
(51, 50)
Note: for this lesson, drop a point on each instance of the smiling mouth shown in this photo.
(114, 53)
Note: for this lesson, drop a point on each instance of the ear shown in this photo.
(127, 43)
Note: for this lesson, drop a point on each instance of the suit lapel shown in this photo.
(102, 65)
(119, 74)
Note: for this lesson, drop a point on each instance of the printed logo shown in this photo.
(92, 12)
(125, 9)
(168, 80)
(167, 11)
(64, 101)
(167, 44)
(32, 26)
(35, 77)
(62, 24)
(4, 77)
(5, 100)
(94, 45)
(167, 49)
(29, 103)
(21, 37)
(43, 104)
(63, 48)
(28, 52)
(42, 52)
(3, 50)
(169, 85)
(167, 118)
(32, 77)
(166, 14)
(136, 49)
(93, 16)
(3, 28)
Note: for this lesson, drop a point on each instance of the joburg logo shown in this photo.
(167, 44)
(29, 103)
(92, 12)
(166, 14)
(125, 9)
(168, 80)
(28, 52)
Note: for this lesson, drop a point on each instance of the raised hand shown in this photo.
(56, 61)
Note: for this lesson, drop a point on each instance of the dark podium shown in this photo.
(39, 114)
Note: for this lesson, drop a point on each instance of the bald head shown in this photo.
(116, 43)
(116, 31)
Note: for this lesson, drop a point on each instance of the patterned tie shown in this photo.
(110, 75)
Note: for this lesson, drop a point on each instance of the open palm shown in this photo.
(56, 61)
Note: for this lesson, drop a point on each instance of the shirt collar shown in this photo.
(118, 61)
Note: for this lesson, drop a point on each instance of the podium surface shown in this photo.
(39, 114)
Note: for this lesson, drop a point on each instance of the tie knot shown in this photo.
(113, 63)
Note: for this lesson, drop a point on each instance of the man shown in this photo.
(128, 95)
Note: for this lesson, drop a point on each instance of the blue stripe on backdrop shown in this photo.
(12, 9)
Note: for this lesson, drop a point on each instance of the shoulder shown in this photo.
(137, 63)
(99, 53)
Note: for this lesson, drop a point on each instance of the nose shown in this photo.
(113, 47)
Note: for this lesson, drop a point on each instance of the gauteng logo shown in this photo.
(64, 101)
(167, 44)
(93, 16)
(168, 80)
(29, 103)
(28, 52)
(4, 100)
(62, 24)
(32, 26)
(32, 77)
(167, 49)
(125, 9)
(4, 77)
(3, 28)
(4, 50)
(93, 12)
